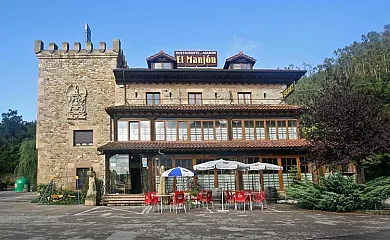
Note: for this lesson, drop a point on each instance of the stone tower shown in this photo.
(74, 88)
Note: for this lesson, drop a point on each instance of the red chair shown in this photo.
(259, 198)
(180, 200)
(150, 199)
(229, 198)
(208, 199)
(199, 198)
(240, 198)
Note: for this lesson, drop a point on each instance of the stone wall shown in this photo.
(74, 87)
(176, 93)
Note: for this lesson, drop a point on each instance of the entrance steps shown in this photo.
(123, 199)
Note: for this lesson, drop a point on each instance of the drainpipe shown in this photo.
(124, 85)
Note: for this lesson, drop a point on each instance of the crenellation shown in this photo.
(77, 51)
(53, 47)
(38, 46)
(102, 47)
(116, 45)
(89, 46)
(77, 47)
(65, 47)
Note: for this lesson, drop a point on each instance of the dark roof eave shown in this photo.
(208, 75)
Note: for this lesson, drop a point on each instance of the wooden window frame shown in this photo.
(195, 98)
(162, 65)
(244, 99)
(189, 129)
(153, 99)
(266, 133)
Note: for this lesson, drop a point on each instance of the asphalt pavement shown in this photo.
(20, 219)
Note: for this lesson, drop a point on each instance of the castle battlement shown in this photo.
(77, 51)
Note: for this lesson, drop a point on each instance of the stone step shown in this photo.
(123, 199)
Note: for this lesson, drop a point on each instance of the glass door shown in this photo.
(120, 175)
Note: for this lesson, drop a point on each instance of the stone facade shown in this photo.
(177, 93)
(74, 87)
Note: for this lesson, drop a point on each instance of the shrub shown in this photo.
(340, 194)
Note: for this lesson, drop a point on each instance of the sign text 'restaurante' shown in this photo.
(196, 58)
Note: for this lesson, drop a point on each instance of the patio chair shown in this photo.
(240, 198)
(199, 198)
(229, 198)
(151, 200)
(259, 198)
(180, 201)
(208, 199)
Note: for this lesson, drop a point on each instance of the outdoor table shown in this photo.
(249, 195)
(161, 197)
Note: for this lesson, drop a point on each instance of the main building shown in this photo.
(95, 111)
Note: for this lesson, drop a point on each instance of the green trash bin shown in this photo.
(22, 185)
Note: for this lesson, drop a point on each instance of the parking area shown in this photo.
(20, 219)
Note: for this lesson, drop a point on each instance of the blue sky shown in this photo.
(276, 33)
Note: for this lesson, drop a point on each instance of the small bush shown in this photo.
(340, 194)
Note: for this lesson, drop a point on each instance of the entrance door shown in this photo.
(135, 180)
(119, 167)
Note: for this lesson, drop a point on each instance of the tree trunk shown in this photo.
(360, 179)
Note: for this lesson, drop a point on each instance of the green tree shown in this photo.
(13, 131)
(28, 161)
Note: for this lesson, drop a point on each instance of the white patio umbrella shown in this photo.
(221, 164)
(264, 166)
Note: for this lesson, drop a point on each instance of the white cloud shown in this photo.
(236, 44)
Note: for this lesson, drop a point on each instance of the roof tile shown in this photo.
(205, 145)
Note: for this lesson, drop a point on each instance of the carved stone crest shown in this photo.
(76, 102)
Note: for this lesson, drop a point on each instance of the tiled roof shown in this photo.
(211, 107)
(161, 54)
(206, 145)
(240, 55)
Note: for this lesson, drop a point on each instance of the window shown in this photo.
(290, 173)
(184, 163)
(196, 131)
(221, 130)
(250, 160)
(208, 130)
(271, 130)
(82, 173)
(244, 98)
(134, 131)
(160, 130)
(162, 65)
(183, 133)
(123, 131)
(145, 130)
(237, 130)
(194, 98)
(171, 131)
(292, 129)
(260, 130)
(249, 130)
(152, 98)
(282, 130)
(271, 178)
(82, 137)
(240, 66)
